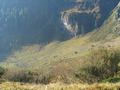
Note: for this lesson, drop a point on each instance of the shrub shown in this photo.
(2, 71)
(102, 63)
(27, 76)
(112, 80)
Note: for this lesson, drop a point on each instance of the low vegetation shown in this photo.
(101, 64)
(22, 86)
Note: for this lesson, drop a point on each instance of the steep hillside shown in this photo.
(64, 59)
(93, 57)
(42, 21)
(74, 48)
(25, 22)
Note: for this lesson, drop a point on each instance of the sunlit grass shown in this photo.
(54, 52)
(58, 86)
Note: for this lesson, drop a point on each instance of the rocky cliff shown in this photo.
(87, 15)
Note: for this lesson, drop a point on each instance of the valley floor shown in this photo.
(21, 86)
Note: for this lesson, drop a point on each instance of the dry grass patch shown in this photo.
(58, 86)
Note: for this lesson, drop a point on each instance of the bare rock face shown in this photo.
(116, 20)
(118, 12)
(87, 15)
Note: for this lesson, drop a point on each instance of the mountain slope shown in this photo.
(25, 22)
(40, 21)
(76, 47)
(63, 59)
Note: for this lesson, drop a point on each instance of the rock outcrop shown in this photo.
(87, 15)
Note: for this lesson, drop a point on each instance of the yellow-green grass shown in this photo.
(58, 86)
(35, 56)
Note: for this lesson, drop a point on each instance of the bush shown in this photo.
(27, 76)
(2, 71)
(112, 80)
(102, 63)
